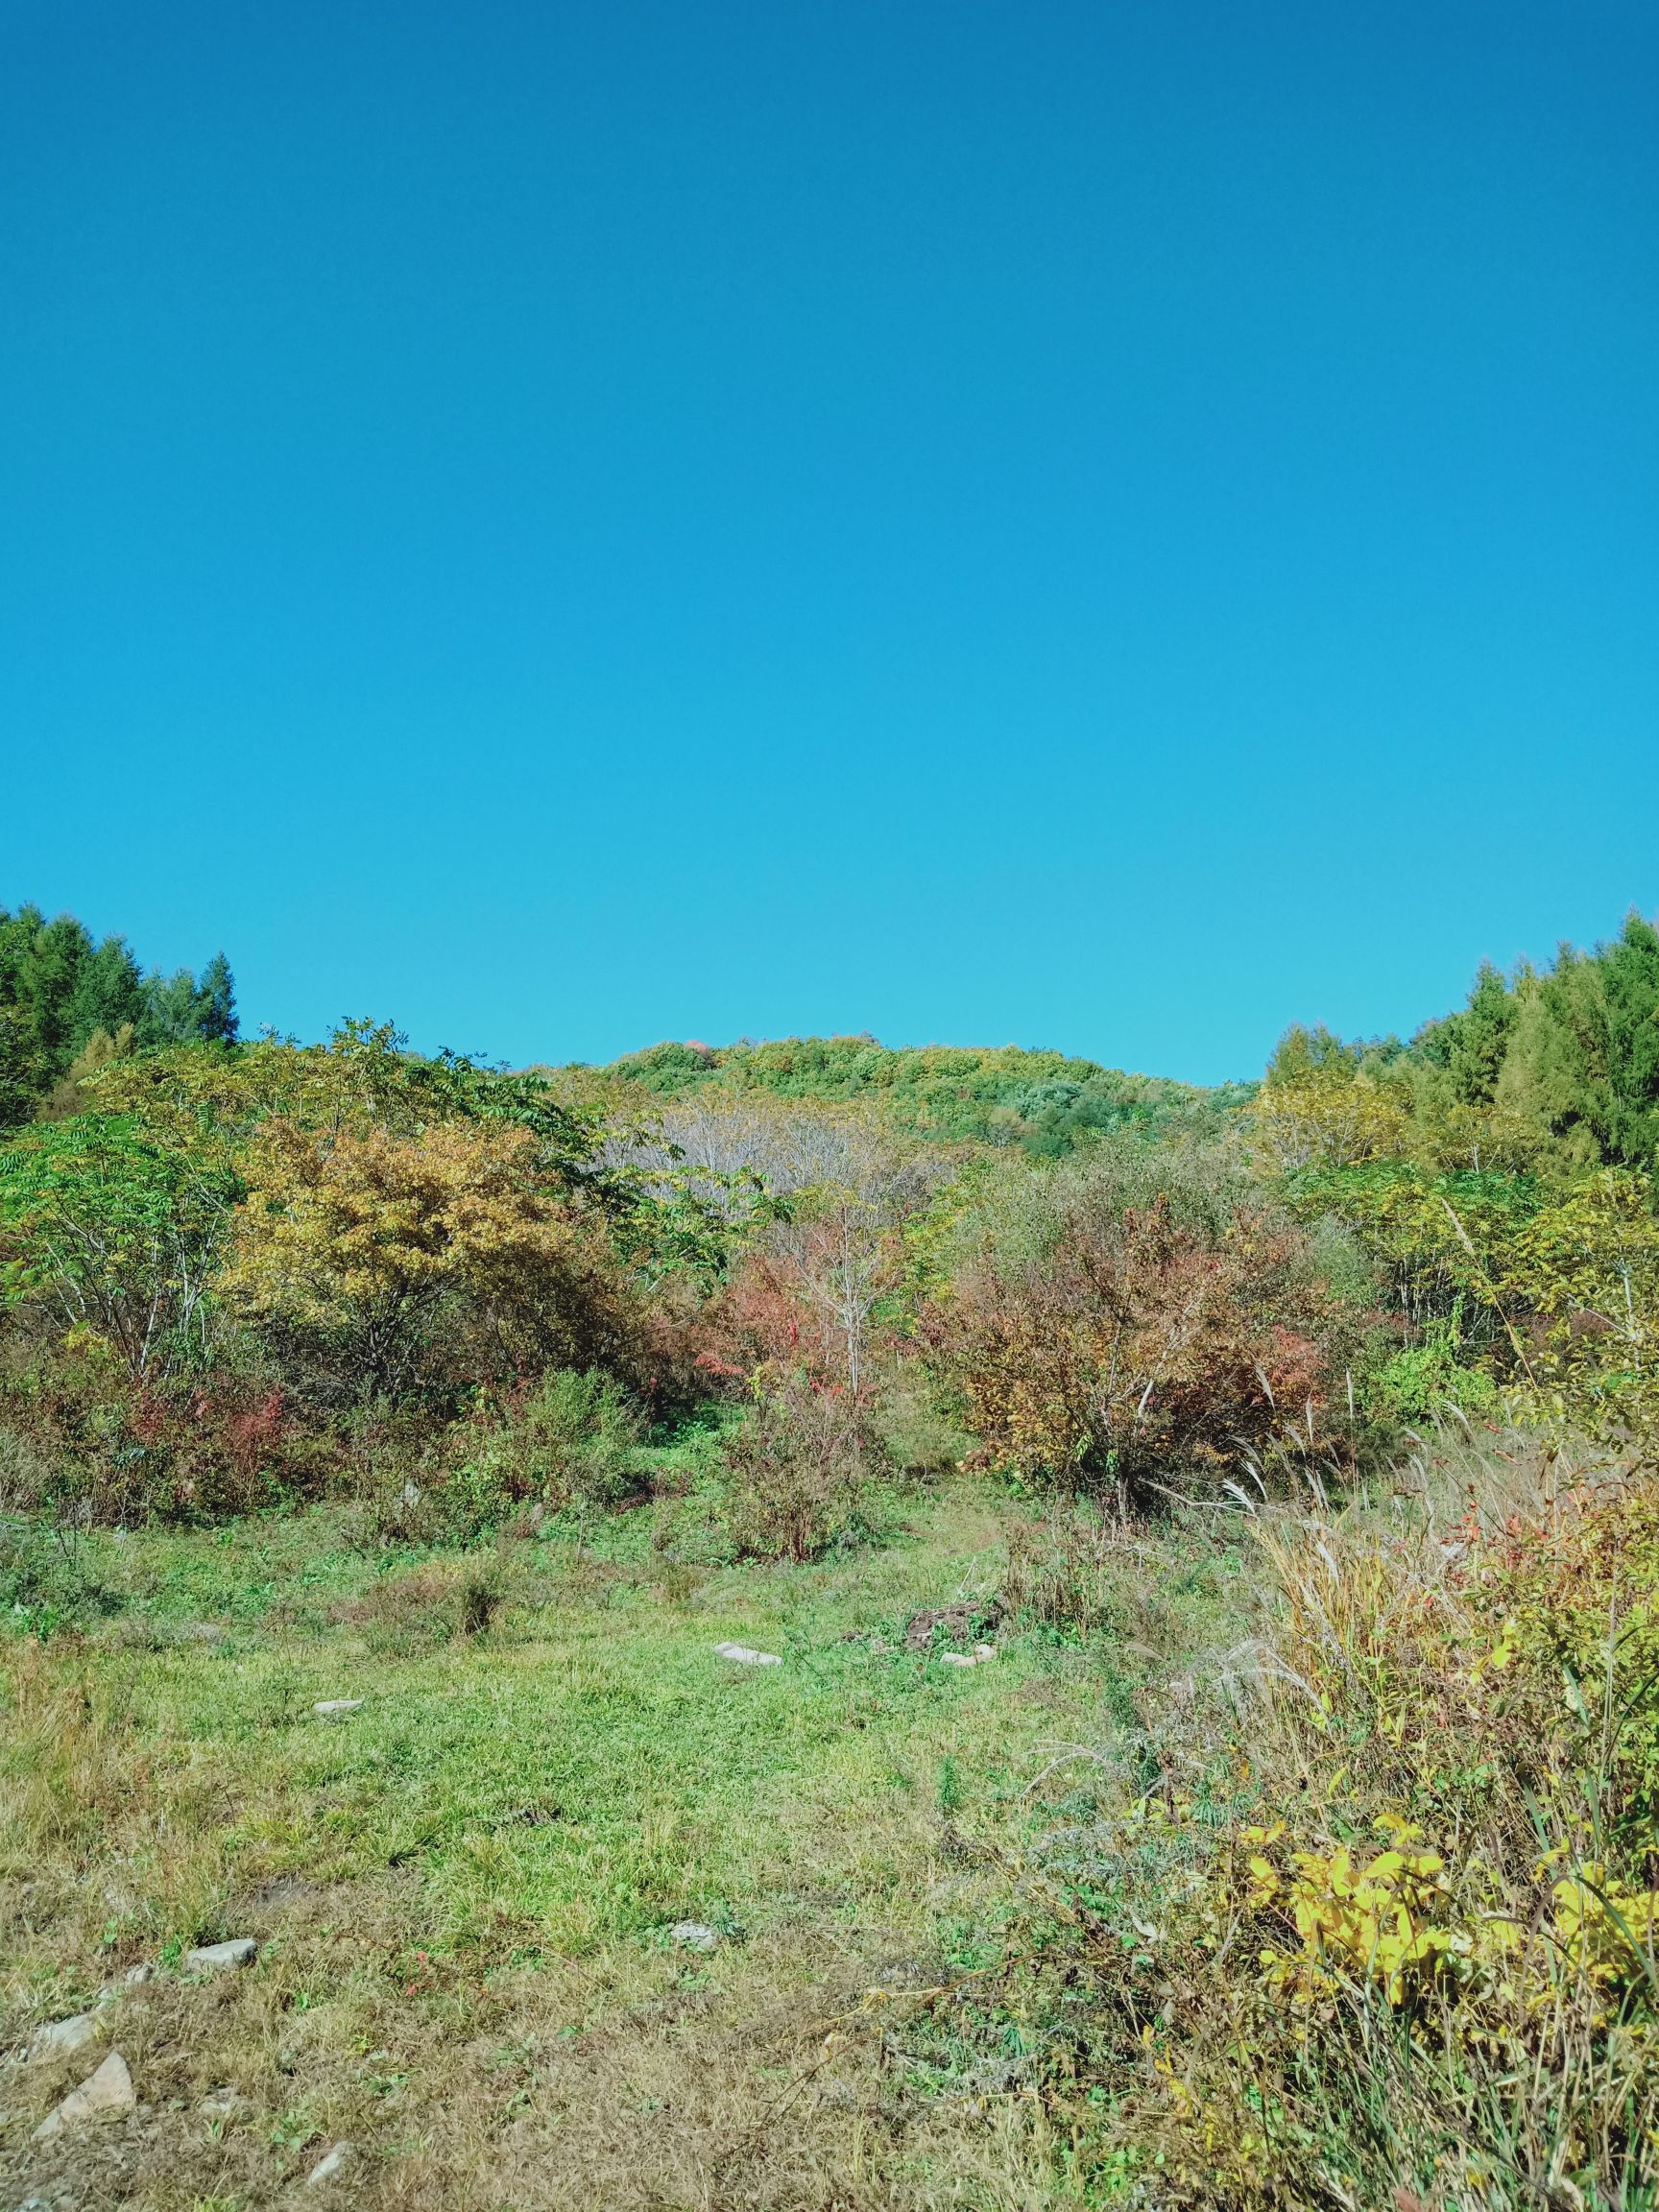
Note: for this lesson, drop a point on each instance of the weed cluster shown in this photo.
(1372, 1913)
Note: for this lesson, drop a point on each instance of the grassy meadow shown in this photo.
(463, 1890)
(1207, 1542)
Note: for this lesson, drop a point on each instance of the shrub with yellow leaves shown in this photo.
(360, 1238)
(1401, 1937)
(1372, 1919)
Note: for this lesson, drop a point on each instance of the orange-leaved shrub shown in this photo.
(1119, 1331)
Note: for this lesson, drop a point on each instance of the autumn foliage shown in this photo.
(368, 1238)
(1138, 1344)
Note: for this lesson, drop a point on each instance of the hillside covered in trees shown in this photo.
(1005, 1096)
(69, 1005)
(1177, 1570)
(1561, 1060)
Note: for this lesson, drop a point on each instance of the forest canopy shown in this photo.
(69, 1004)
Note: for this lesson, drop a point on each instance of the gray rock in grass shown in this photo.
(134, 1978)
(63, 2037)
(741, 1655)
(331, 2165)
(694, 1935)
(221, 1957)
(224, 2104)
(103, 2096)
(336, 1708)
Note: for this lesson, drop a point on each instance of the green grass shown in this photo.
(484, 1860)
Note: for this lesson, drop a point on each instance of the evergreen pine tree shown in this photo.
(1467, 1049)
(48, 971)
(1554, 1079)
(1630, 996)
(171, 1014)
(108, 995)
(216, 1002)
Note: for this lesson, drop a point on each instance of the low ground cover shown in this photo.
(1285, 1853)
(463, 1890)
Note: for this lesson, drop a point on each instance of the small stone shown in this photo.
(101, 2096)
(956, 1659)
(694, 1935)
(336, 1708)
(224, 2104)
(63, 2037)
(741, 1655)
(134, 1978)
(332, 2163)
(220, 1958)
(984, 1652)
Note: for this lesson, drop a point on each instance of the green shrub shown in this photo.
(576, 1437)
(572, 1440)
(28, 1474)
(48, 1578)
(1423, 1380)
(915, 1434)
(800, 1473)
(1065, 1568)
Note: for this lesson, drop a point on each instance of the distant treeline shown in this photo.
(68, 1004)
(1558, 1064)
(1560, 1061)
(1088, 1277)
(996, 1094)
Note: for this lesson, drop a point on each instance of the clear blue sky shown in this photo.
(1105, 525)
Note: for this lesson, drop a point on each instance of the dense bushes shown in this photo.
(1043, 1102)
(81, 1436)
(218, 1274)
(227, 1261)
(119, 1232)
(1434, 1949)
(397, 1262)
(1544, 1286)
(568, 1440)
(1357, 1906)
(1124, 1318)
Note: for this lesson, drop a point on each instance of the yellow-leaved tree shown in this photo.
(443, 1252)
(1588, 1267)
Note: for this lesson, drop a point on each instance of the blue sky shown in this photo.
(1098, 525)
